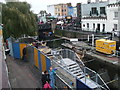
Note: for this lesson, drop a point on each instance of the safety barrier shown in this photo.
(41, 61)
(81, 85)
(33, 55)
(17, 50)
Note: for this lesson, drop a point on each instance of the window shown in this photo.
(102, 10)
(93, 25)
(65, 10)
(64, 5)
(94, 10)
(115, 26)
(103, 28)
(58, 14)
(115, 14)
(83, 25)
(87, 25)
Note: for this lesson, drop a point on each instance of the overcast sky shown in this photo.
(38, 5)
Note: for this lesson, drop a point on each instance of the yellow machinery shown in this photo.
(106, 46)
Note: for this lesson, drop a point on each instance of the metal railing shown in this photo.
(63, 75)
(95, 77)
(67, 53)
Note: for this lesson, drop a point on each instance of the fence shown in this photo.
(37, 58)
(95, 77)
(61, 83)
(67, 53)
(17, 50)
(63, 77)
(34, 56)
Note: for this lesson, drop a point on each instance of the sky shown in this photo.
(38, 5)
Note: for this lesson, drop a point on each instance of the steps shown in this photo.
(73, 67)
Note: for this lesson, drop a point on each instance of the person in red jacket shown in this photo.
(45, 77)
(47, 86)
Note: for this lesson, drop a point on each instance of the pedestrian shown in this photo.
(24, 54)
(36, 45)
(52, 77)
(45, 77)
(47, 86)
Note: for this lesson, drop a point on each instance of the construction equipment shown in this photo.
(106, 46)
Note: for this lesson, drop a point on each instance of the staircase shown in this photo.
(73, 68)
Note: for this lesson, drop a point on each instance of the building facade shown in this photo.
(72, 11)
(51, 9)
(100, 16)
(112, 16)
(61, 10)
(94, 9)
(58, 10)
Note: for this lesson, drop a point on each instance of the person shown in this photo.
(72, 84)
(47, 86)
(45, 77)
(24, 54)
(33, 44)
(52, 77)
(36, 45)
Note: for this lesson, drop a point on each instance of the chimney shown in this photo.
(88, 1)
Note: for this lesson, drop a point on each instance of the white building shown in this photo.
(112, 17)
(100, 16)
(51, 9)
(94, 8)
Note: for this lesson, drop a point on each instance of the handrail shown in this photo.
(85, 70)
(79, 59)
(97, 76)
(63, 80)
(63, 68)
(103, 81)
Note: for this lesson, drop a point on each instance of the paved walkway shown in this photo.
(22, 74)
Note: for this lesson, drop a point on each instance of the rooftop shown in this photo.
(114, 4)
(95, 17)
